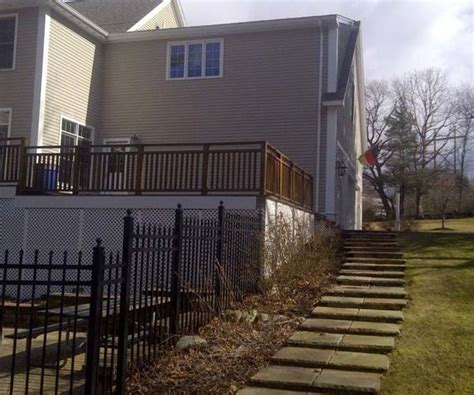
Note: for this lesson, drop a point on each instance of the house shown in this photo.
(271, 109)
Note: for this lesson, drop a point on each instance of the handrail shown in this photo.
(236, 168)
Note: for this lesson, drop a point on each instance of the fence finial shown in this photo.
(180, 206)
(99, 241)
(222, 203)
(129, 213)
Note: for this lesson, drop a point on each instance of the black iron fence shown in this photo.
(72, 324)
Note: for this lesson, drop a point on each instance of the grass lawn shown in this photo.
(457, 225)
(435, 353)
(463, 225)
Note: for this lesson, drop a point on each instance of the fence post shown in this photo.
(219, 263)
(124, 302)
(95, 316)
(205, 168)
(176, 271)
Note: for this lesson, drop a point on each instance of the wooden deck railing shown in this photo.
(10, 154)
(242, 168)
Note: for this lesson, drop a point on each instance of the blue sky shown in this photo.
(399, 35)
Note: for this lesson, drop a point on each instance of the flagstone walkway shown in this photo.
(343, 346)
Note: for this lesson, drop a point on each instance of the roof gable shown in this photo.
(115, 16)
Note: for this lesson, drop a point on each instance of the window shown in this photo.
(195, 59)
(5, 122)
(73, 133)
(8, 25)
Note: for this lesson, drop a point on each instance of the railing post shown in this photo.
(76, 171)
(205, 169)
(124, 302)
(219, 263)
(263, 169)
(176, 271)
(95, 316)
(22, 174)
(138, 178)
(280, 171)
(292, 182)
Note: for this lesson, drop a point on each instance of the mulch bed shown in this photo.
(234, 351)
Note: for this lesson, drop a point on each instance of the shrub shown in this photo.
(297, 262)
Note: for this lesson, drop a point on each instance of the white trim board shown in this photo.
(41, 75)
(5, 16)
(154, 12)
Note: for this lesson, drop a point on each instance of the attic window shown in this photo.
(8, 25)
(195, 59)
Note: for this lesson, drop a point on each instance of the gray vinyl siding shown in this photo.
(269, 91)
(74, 79)
(17, 86)
(165, 19)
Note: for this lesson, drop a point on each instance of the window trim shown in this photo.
(10, 112)
(62, 117)
(186, 43)
(5, 16)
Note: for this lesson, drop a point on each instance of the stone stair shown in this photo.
(342, 346)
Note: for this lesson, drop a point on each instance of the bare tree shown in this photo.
(443, 192)
(379, 107)
(464, 129)
(428, 98)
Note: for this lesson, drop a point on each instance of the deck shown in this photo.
(237, 168)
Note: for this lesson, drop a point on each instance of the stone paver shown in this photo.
(358, 314)
(349, 326)
(286, 377)
(366, 290)
(315, 339)
(272, 391)
(373, 266)
(321, 358)
(339, 341)
(360, 302)
(363, 280)
(347, 381)
(343, 347)
(373, 273)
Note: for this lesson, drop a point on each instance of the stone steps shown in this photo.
(358, 248)
(380, 261)
(310, 379)
(367, 291)
(356, 314)
(363, 303)
(372, 273)
(331, 359)
(364, 280)
(350, 327)
(343, 346)
(339, 341)
(373, 254)
(374, 266)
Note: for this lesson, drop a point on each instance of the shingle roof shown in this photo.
(115, 16)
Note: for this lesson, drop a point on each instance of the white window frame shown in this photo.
(9, 125)
(203, 59)
(5, 16)
(78, 124)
